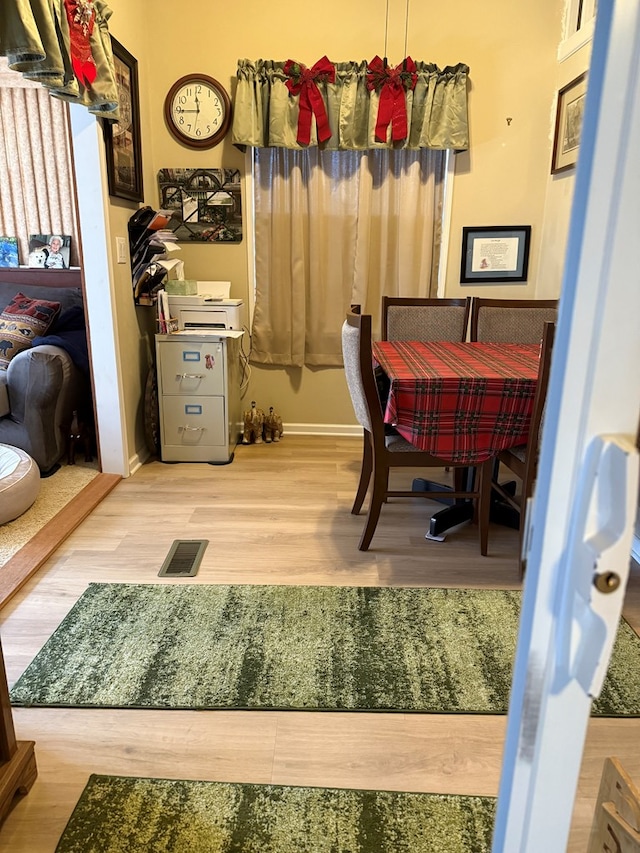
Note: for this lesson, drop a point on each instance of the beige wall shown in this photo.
(135, 325)
(511, 50)
(559, 195)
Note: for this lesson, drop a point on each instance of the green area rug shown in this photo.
(118, 814)
(295, 647)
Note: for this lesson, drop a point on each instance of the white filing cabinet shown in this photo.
(198, 395)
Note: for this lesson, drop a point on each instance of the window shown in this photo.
(335, 228)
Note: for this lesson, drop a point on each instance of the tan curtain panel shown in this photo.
(36, 179)
(64, 45)
(337, 228)
(267, 115)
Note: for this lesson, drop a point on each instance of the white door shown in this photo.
(582, 521)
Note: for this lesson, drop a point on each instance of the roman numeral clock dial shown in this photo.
(197, 111)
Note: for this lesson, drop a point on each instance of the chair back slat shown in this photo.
(511, 321)
(409, 319)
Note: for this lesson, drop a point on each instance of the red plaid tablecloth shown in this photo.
(461, 402)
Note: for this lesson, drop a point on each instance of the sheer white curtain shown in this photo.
(36, 180)
(334, 228)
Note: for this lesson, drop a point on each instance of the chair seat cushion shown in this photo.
(519, 452)
(19, 482)
(397, 444)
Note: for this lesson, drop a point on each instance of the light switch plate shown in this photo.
(121, 250)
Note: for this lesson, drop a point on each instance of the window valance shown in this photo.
(350, 105)
(65, 46)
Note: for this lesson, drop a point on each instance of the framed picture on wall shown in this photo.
(122, 138)
(49, 251)
(495, 253)
(569, 112)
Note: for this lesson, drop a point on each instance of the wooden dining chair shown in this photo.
(382, 452)
(511, 321)
(523, 460)
(415, 319)
(616, 819)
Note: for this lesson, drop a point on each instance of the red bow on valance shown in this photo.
(81, 16)
(302, 81)
(391, 85)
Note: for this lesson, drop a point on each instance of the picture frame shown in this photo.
(495, 253)
(9, 252)
(49, 251)
(569, 112)
(205, 204)
(122, 138)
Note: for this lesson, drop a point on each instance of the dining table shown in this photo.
(460, 402)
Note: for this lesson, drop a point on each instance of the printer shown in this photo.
(209, 308)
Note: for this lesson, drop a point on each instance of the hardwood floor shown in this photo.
(26, 562)
(278, 514)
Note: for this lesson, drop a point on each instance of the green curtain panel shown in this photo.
(64, 46)
(267, 113)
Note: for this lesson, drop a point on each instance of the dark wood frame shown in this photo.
(563, 96)
(424, 302)
(42, 278)
(219, 135)
(132, 191)
(471, 234)
(479, 302)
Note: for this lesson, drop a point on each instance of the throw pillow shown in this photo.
(20, 322)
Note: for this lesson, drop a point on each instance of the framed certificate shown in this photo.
(495, 253)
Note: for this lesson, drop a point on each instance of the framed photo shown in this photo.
(569, 112)
(122, 138)
(49, 251)
(495, 253)
(9, 252)
(205, 204)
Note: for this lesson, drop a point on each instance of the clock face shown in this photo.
(198, 111)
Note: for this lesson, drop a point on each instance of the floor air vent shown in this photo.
(184, 558)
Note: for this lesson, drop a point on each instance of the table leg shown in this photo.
(459, 510)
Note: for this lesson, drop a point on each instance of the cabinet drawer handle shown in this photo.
(191, 429)
(189, 376)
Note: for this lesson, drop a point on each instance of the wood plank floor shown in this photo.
(278, 514)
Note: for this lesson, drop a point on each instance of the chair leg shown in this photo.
(365, 474)
(484, 472)
(378, 494)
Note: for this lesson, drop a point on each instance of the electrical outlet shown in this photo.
(121, 250)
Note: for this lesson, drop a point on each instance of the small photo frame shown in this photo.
(49, 251)
(122, 138)
(9, 252)
(495, 253)
(569, 112)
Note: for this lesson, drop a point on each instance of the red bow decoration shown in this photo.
(302, 81)
(81, 16)
(391, 84)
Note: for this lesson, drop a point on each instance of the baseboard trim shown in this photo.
(338, 430)
(26, 562)
(137, 461)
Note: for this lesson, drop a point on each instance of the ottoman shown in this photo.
(19, 482)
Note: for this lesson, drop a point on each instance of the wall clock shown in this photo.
(197, 110)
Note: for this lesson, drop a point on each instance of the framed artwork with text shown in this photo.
(495, 253)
